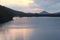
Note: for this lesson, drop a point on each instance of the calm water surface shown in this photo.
(31, 28)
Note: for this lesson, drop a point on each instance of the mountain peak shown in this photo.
(43, 12)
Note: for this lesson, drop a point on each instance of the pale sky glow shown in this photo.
(24, 5)
(16, 2)
(32, 5)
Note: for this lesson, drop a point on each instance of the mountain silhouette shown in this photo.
(7, 14)
(57, 13)
(44, 12)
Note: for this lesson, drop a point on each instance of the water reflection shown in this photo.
(18, 29)
(16, 34)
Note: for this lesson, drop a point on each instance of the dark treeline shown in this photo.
(39, 15)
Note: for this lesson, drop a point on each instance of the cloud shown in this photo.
(23, 5)
(33, 10)
(48, 5)
(36, 9)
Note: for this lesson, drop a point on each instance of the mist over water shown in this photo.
(31, 28)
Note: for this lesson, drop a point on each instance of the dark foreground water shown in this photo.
(31, 28)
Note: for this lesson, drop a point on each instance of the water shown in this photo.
(31, 28)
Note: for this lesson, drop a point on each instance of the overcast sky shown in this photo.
(32, 5)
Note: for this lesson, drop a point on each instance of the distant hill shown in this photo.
(6, 14)
(44, 12)
(57, 13)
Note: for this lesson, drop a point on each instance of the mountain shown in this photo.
(44, 12)
(6, 14)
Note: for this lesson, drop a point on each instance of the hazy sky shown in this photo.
(32, 5)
